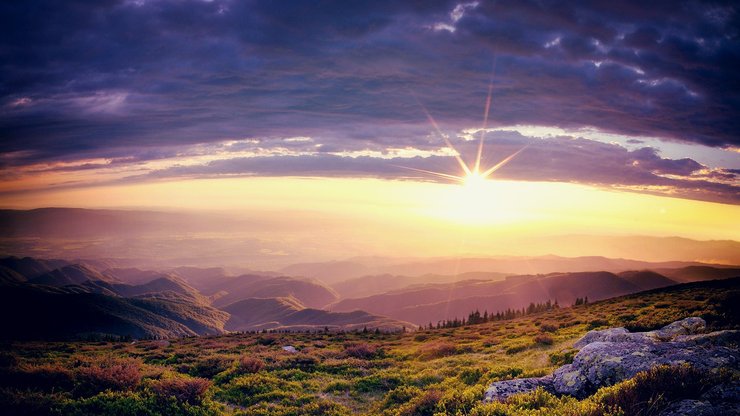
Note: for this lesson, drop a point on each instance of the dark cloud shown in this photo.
(135, 79)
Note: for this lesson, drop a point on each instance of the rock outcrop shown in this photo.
(612, 355)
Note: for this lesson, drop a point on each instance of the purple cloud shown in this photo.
(138, 80)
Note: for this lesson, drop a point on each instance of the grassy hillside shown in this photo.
(440, 371)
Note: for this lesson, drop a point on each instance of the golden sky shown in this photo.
(501, 207)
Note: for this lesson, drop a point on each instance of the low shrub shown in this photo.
(437, 350)
(649, 392)
(517, 348)
(361, 350)
(470, 376)
(543, 339)
(44, 377)
(562, 357)
(191, 390)
(399, 396)
(249, 365)
(377, 383)
(548, 327)
(108, 374)
(596, 323)
(210, 366)
(421, 405)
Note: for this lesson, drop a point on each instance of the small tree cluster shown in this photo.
(476, 317)
(581, 301)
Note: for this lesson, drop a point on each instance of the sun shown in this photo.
(474, 200)
(474, 181)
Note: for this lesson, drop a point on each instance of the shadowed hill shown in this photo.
(70, 275)
(372, 285)
(646, 279)
(56, 313)
(696, 273)
(29, 267)
(309, 292)
(289, 314)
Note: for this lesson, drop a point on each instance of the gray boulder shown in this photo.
(612, 355)
(700, 408)
(503, 389)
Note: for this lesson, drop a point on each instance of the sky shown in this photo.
(116, 103)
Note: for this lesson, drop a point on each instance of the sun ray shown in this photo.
(483, 130)
(440, 174)
(500, 164)
(431, 119)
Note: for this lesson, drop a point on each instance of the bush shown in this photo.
(437, 350)
(562, 357)
(27, 402)
(651, 391)
(209, 366)
(596, 323)
(377, 382)
(191, 390)
(548, 327)
(249, 365)
(134, 404)
(338, 387)
(361, 350)
(422, 405)
(301, 362)
(543, 339)
(470, 376)
(108, 374)
(45, 377)
(254, 388)
(515, 349)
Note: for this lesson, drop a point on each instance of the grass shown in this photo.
(430, 372)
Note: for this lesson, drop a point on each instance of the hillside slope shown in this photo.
(425, 303)
(289, 314)
(61, 313)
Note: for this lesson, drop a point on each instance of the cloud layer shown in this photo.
(132, 81)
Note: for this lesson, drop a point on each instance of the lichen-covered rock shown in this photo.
(612, 355)
(602, 364)
(727, 392)
(700, 408)
(688, 326)
(612, 335)
(503, 389)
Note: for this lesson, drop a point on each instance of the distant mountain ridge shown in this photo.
(328, 272)
(60, 299)
(420, 304)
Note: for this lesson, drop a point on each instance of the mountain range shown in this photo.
(62, 299)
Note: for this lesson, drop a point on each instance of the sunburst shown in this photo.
(474, 176)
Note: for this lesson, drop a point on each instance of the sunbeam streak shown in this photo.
(483, 130)
(472, 178)
(440, 174)
(500, 164)
(431, 119)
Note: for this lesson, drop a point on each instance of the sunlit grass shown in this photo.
(443, 371)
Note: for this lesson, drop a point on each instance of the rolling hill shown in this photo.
(29, 267)
(289, 314)
(72, 274)
(56, 313)
(434, 302)
(697, 273)
(309, 292)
